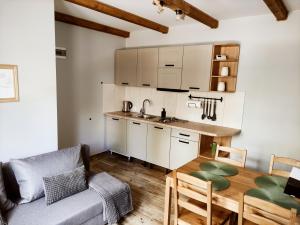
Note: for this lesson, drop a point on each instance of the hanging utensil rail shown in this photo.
(205, 98)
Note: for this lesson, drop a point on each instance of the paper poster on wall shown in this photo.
(9, 87)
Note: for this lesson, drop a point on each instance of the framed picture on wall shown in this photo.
(9, 86)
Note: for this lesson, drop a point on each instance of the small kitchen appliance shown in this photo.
(127, 105)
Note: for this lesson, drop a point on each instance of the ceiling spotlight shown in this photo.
(179, 14)
(160, 5)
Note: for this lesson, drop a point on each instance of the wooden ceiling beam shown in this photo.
(90, 25)
(278, 8)
(192, 12)
(121, 14)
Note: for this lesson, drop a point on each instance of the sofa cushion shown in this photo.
(75, 210)
(64, 185)
(5, 203)
(30, 171)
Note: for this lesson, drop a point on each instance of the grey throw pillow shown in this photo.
(29, 172)
(64, 185)
(5, 203)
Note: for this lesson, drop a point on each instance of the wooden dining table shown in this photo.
(228, 198)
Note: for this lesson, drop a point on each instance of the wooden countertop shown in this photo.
(204, 129)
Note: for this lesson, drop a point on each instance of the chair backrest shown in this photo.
(220, 156)
(196, 190)
(283, 161)
(259, 211)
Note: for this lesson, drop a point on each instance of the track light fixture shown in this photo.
(179, 14)
(160, 5)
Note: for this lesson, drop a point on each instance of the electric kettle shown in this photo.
(127, 105)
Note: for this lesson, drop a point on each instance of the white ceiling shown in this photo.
(219, 9)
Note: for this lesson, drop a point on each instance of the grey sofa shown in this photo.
(84, 208)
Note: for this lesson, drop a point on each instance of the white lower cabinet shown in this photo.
(136, 139)
(116, 135)
(158, 145)
(184, 148)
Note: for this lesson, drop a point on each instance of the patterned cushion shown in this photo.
(64, 185)
(5, 203)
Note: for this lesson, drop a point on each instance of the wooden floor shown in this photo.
(147, 186)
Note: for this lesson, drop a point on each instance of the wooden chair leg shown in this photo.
(168, 198)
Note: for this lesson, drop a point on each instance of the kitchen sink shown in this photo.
(145, 116)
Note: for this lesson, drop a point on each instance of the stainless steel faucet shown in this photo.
(143, 110)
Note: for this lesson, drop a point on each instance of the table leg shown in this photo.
(168, 195)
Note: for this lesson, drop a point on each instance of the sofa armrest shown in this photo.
(85, 154)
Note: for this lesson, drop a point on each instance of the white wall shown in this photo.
(229, 112)
(29, 127)
(90, 60)
(269, 73)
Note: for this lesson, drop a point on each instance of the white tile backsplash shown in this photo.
(229, 112)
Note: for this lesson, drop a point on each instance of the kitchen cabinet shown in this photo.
(126, 67)
(169, 78)
(170, 57)
(196, 67)
(184, 148)
(147, 67)
(158, 145)
(136, 139)
(115, 138)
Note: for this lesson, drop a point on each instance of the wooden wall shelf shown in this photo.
(232, 52)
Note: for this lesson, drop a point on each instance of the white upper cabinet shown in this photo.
(170, 57)
(196, 67)
(147, 67)
(126, 67)
(169, 78)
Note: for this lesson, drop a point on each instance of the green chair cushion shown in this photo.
(219, 183)
(219, 168)
(276, 196)
(267, 181)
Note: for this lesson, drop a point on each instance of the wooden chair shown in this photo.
(283, 161)
(256, 211)
(198, 208)
(241, 152)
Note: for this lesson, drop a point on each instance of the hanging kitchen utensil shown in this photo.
(214, 117)
(209, 113)
(203, 114)
(207, 107)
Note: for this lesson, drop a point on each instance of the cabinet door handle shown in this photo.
(169, 65)
(125, 83)
(194, 88)
(146, 85)
(136, 123)
(160, 128)
(115, 119)
(185, 135)
(184, 142)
